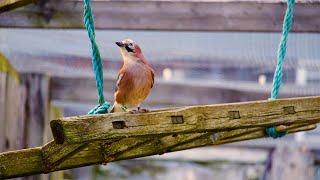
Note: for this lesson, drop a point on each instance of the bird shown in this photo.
(135, 79)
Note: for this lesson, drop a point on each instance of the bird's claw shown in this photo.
(139, 110)
(144, 110)
(133, 111)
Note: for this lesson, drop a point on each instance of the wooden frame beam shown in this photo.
(182, 93)
(53, 157)
(209, 15)
(194, 119)
(7, 5)
(231, 128)
(122, 136)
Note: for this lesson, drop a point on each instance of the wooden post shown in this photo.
(11, 116)
(14, 122)
(37, 113)
(3, 80)
(292, 161)
(36, 110)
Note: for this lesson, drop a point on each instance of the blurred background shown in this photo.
(203, 52)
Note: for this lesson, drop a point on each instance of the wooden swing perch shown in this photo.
(86, 140)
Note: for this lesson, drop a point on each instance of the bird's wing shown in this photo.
(120, 77)
(124, 86)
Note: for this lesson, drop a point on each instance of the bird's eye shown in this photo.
(129, 47)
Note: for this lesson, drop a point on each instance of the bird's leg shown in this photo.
(143, 110)
(133, 111)
(139, 110)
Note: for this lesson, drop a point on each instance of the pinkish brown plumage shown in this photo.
(135, 78)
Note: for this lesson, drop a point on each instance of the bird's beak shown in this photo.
(120, 44)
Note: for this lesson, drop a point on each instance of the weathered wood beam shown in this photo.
(193, 119)
(72, 89)
(209, 15)
(54, 157)
(7, 5)
(175, 92)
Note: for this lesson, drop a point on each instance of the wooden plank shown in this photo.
(292, 161)
(235, 136)
(193, 119)
(11, 118)
(214, 154)
(209, 15)
(31, 161)
(14, 130)
(175, 92)
(7, 5)
(37, 113)
(3, 82)
(11, 128)
(73, 88)
(20, 163)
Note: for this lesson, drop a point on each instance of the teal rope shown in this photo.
(277, 78)
(96, 59)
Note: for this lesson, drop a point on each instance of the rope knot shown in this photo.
(272, 132)
(100, 109)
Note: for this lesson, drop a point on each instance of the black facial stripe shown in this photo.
(128, 49)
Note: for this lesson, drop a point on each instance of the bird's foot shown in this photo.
(134, 111)
(143, 110)
(139, 110)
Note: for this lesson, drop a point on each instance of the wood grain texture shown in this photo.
(169, 15)
(12, 118)
(7, 5)
(178, 93)
(196, 119)
(3, 82)
(20, 163)
(6, 67)
(54, 113)
(53, 157)
(14, 122)
(37, 111)
(292, 161)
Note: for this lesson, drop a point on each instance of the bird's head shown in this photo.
(130, 50)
